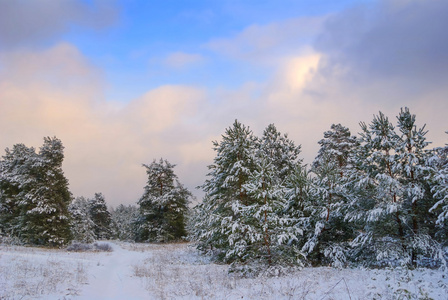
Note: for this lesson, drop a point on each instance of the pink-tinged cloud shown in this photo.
(56, 92)
(59, 92)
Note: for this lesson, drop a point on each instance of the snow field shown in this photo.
(28, 273)
(178, 271)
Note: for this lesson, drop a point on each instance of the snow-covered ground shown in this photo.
(177, 271)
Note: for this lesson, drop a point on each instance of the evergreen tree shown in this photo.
(269, 228)
(221, 227)
(379, 206)
(244, 213)
(393, 198)
(337, 147)
(280, 151)
(232, 165)
(45, 218)
(327, 239)
(276, 160)
(14, 174)
(100, 216)
(412, 170)
(83, 228)
(163, 205)
(35, 194)
(438, 180)
(123, 222)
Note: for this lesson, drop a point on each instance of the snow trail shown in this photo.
(111, 277)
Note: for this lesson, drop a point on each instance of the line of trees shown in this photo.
(37, 208)
(380, 199)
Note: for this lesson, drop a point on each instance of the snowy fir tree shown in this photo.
(100, 216)
(393, 198)
(123, 222)
(281, 152)
(219, 221)
(163, 205)
(276, 160)
(378, 200)
(269, 230)
(82, 226)
(244, 217)
(329, 233)
(35, 195)
(412, 170)
(438, 181)
(14, 175)
(378, 206)
(337, 147)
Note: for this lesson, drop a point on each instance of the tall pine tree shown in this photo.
(220, 226)
(163, 205)
(438, 180)
(327, 239)
(82, 226)
(100, 216)
(393, 197)
(35, 194)
(244, 216)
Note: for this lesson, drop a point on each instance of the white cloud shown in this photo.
(57, 92)
(264, 43)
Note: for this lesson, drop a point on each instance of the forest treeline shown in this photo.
(378, 199)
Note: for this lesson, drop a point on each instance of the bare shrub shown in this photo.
(82, 247)
(105, 247)
(79, 247)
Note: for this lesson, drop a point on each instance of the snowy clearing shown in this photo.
(177, 271)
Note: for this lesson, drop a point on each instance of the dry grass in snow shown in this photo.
(32, 273)
(177, 271)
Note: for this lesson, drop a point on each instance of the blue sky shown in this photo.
(124, 82)
(133, 50)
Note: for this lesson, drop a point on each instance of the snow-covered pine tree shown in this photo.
(45, 216)
(163, 205)
(271, 231)
(123, 222)
(337, 146)
(244, 215)
(82, 226)
(35, 195)
(378, 208)
(300, 204)
(100, 216)
(412, 171)
(225, 194)
(14, 175)
(219, 214)
(327, 239)
(438, 180)
(390, 184)
(280, 151)
(276, 160)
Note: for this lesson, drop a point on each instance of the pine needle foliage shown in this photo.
(163, 205)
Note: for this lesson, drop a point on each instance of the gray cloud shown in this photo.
(31, 23)
(403, 41)
(383, 56)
